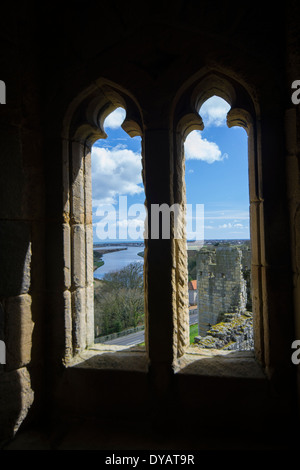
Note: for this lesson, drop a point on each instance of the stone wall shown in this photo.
(221, 284)
(161, 65)
(233, 332)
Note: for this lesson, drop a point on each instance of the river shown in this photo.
(118, 259)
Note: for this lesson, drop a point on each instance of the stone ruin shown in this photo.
(224, 298)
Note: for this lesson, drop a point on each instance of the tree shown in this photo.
(119, 302)
(130, 277)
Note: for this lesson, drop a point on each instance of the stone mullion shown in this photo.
(58, 253)
(181, 307)
(78, 247)
(276, 296)
(158, 253)
(182, 304)
(67, 253)
(257, 237)
(89, 248)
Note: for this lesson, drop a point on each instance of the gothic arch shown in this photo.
(72, 280)
(244, 112)
(85, 115)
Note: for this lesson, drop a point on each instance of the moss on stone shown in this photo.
(230, 333)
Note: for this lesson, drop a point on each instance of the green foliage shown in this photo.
(97, 260)
(119, 300)
(247, 277)
(192, 265)
(193, 332)
(130, 277)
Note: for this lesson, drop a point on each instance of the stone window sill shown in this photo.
(107, 357)
(219, 363)
(201, 362)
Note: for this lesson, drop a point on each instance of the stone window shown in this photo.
(82, 129)
(85, 128)
(118, 236)
(242, 113)
(217, 175)
(165, 262)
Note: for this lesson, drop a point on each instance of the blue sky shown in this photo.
(216, 177)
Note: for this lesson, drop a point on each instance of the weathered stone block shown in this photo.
(77, 185)
(79, 319)
(18, 331)
(68, 325)
(78, 256)
(15, 257)
(90, 333)
(89, 254)
(59, 332)
(16, 398)
(56, 255)
(66, 178)
(67, 255)
(88, 187)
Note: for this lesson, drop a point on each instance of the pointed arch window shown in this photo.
(216, 173)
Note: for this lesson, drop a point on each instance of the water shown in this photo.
(118, 259)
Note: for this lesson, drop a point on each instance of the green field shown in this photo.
(193, 332)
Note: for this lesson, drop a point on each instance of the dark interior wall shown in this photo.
(49, 55)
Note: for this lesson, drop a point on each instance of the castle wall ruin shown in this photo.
(222, 287)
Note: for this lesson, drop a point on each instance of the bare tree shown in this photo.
(119, 302)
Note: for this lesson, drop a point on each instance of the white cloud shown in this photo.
(197, 148)
(229, 225)
(115, 172)
(225, 226)
(235, 215)
(115, 119)
(214, 111)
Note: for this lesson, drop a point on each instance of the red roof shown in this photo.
(192, 285)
